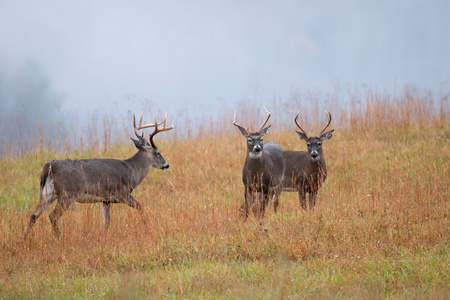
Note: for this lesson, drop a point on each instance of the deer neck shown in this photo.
(140, 165)
(255, 163)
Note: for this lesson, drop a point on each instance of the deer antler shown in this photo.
(267, 119)
(157, 130)
(298, 125)
(246, 129)
(237, 125)
(328, 124)
(141, 126)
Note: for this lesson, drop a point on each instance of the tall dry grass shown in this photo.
(380, 229)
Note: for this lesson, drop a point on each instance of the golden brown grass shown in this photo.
(380, 229)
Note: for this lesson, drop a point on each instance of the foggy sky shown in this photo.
(82, 56)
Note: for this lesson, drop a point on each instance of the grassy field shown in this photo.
(380, 229)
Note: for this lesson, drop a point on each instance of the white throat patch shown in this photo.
(255, 155)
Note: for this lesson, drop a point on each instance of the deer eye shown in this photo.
(261, 140)
(319, 144)
(249, 140)
(308, 144)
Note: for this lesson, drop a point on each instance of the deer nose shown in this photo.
(257, 148)
(314, 154)
(166, 166)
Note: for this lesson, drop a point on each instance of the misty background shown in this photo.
(62, 63)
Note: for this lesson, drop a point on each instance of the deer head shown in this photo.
(255, 140)
(149, 148)
(314, 143)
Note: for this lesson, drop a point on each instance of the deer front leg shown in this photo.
(262, 199)
(263, 202)
(312, 200)
(302, 199)
(130, 201)
(253, 202)
(243, 211)
(276, 193)
(275, 202)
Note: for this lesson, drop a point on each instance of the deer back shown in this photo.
(100, 177)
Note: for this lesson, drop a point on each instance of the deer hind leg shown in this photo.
(63, 204)
(46, 198)
(106, 209)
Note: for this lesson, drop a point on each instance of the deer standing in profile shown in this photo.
(263, 170)
(306, 170)
(98, 180)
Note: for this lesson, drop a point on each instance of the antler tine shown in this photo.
(328, 124)
(134, 125)
(298, 125)
(142, 126)
(140, 121)
(267, 119)
(237, 125)
(159, 130)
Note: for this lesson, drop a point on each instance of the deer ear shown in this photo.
(141, 144)
(243, 131)
(265, 131)
(326, 136)
(302, 136)
(137, 143)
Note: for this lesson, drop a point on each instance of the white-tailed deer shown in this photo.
(103, 181)
(263, 170)
(306, 170)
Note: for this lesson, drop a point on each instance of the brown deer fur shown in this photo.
(307, 170)
(103, 181)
